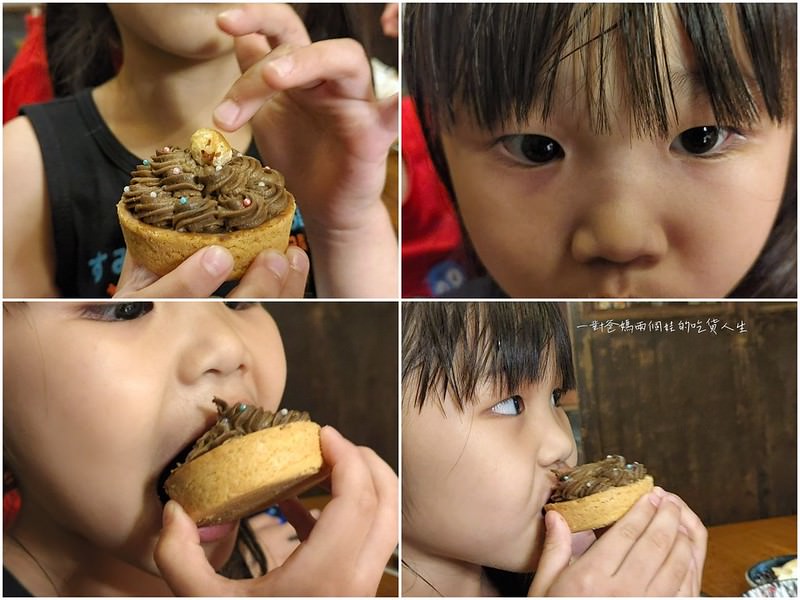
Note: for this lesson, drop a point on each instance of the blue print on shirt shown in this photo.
(297, 222)
(97, 265)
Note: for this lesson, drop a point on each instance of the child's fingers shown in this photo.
(274, 275)
(556, 553)
(250, 49)
(383, 535)
(344, 524)
(180, 557)
(698, 535)
(196, 277)
(650, 551)
(279, 23)
(609, 552)
(361, 570)
(690, 586)
(248, 93)
(353, 494)
(342, 64)
(673, 572)
(133, 277)
(582, 541)
(299, 267)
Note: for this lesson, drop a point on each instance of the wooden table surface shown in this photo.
(734, 548)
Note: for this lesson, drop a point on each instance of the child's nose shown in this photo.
(216, 346)
(557, 445)
(619, 230)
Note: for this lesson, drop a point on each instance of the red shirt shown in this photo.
(432, 258)
(28, 79)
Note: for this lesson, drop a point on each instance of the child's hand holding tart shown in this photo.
(181, 200)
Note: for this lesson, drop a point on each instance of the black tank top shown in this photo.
(12, 588)
(86, 168)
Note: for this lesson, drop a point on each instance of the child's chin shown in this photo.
(521, 559)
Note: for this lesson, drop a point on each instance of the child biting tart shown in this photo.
(595, 495)
(181, 200)
(250, 459)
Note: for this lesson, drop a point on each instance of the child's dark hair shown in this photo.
(499, 62)
(453, 347)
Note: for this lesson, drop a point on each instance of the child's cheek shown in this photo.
(721, 219)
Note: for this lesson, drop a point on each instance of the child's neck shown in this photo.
(158, 99)
(47, 560)
(426, 574)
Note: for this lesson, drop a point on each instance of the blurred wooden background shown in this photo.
(342, 367)
(713, 417)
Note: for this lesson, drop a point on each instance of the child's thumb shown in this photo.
(181, 559)
(556, 553)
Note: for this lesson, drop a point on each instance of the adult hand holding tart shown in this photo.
(181, 200)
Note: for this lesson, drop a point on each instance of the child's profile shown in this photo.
(483, 434)
(613, 150)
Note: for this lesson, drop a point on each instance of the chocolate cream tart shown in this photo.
(183, 199)
(595, 495)
(249, 460)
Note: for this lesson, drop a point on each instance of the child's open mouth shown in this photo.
(179, 458)
(210, 533)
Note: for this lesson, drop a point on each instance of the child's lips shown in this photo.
(212, 533)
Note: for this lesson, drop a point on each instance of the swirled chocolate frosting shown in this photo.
(591, 478)
(189, 190)
(238, 420)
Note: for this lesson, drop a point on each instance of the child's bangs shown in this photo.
(505, 62)
(456, 347)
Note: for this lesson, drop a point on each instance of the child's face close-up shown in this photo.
(103, 399)
(475, 481)
(555, 208)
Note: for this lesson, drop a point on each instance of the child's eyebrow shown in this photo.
(690, 84)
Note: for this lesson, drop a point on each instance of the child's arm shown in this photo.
(28, 253)
(315, 118)
(342, 554)
(657, 549)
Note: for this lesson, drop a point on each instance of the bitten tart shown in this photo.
(183, 199)
(595, 495)
(250, 459)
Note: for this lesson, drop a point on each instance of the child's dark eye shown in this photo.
(117, 311)
(532, 149)
(510, 406)
(701, 141)
(556, 396)
(240, 305)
